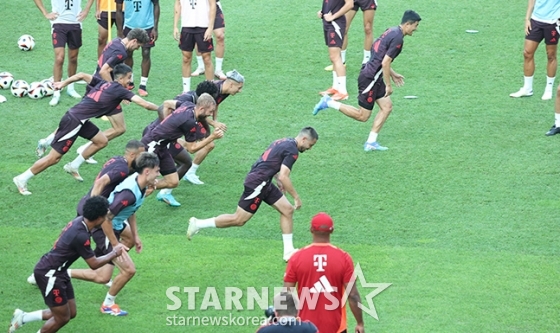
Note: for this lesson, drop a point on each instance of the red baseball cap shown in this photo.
(322, 222)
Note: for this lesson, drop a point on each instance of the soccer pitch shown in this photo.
(459, 215)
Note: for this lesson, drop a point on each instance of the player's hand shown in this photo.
(319, 14)
(398, 79)
(138, 244)
(208, 34)
(154, 35)
(218, 134)
(51, 16)
(125, 102)
(359, 329)
(297, 203)
(120, 33)
(82, 15)
(176, 34)
(58, 85)
(119, 249)
(527, 27)
(220, 126)
(97, 14)
(388, 91)
(329, 17)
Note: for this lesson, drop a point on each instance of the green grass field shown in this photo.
(459, 215)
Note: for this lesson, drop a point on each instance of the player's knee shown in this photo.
(528, 54)
(172, 183)
(220, 37)
(364, 115)
(145, 54)
(63, 319)
(187, 58)
(59, 59)
(368, 30)
(73, 313)
(102, 279)
(210, 146)
(551, 56)
(334, 57)
(101, 41)
(120, 130)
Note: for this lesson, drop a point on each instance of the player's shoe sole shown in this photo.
(339, 97)
(330, 91)
(329, 68)
(41, 148)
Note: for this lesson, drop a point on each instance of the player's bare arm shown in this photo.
(105, 72)
(134, 230)
(211, 18)
(284, 178)
(348, 4)
(386, 66)
(154, 34)
(530, 7)
(84, 13)
(397, 78)
(353, 300)
(74, 78)
(107, 227)
(143, 103)
(99, 185)
(166, 108)
(97, 10)
(193, 147)
(97, 262)
(119, 20)
(47, 15)
(176, 16)
(290, 286)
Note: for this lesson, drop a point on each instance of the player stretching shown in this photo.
(374, 82)
(275, 162)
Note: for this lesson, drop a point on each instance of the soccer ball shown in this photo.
(19, 88)
(6, 80)
(36, 90)
(48, 86)
(26, 43)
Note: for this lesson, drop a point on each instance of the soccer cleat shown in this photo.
(41, 148)
(329, 68)
(198, 71)
(17, 320)
(369, 146)
(323, 104)
(220, 75)
(330, 91)
(553, 130)
(81, 149)
(31, 279)
(21, 186)
(521, 93)
(142, 91)
(339, 96)
(130, 86)
(168, 199)
(289, 254)
(54, 100)
(113, 310)
(109, 284)
(547, 95)
(193, 229)
(193, 178)
(73, 93)
(74, 172)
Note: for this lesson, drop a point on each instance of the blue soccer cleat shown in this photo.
(321, 105)
(168, 199)
(370, 146)
(113, 310)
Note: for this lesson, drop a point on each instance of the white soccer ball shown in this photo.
(26, 43)
(48, 86)
(20, 88)
(36, 90)
(6, 80)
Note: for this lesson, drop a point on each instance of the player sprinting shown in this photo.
(374, 82)
(102, 99)
(276, 162)
(50, 272)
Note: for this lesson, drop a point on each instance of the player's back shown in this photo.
(389, 43)
(181, 122)
(283, 151)
(113, 54)
(104, 98)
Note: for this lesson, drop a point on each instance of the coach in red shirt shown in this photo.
(322, 272)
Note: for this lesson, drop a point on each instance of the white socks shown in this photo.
(219, 62)
(77, 162)
(549, 83)
(288, 242)
(32, 316)
(166, 191)
(528, 83)
(208, 223)
(343, 56)
(341, 84)
(334, 104)
(132, 78)
(557, 119)
(143, 81)
(26, 175)
(372, 137)
(193, 168)
(186, 84)
(367, 56)
(200, 62)
(109, 300)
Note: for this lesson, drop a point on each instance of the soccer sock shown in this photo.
(49, 139)
(549, 83)
(77, 162)
(342, 85)
(208, 223)
(200, 62)
(372, 137)
(557, 119)
(109, 300)
(343, 56)
(56, 94)
(528, 83)
(143, 81)
(334, 80)
(186, 84)
(27, 175)
(69, 272)
(334, 104)
(219, 62)
(165, 191)
(193, 168)
(288, 242)
(32, 316)
(367, 55)
(70, 87)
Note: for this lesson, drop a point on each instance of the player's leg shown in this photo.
(98, 141)
(184, 163)
(20, 317)
(102, 33)
(57, 72)
(199, 157)
(146, 65)
(74, 43)
(339, 74)
(59, 297)
(199, 64)
(205, 48)
(369, 16)
(532, 40)
(118, 128)
(61, 315)
(349, 17)
(186, 44)
(551, 41)
(219, 34)
(556, 127)
(286, 210)
(385, 107)
(101, 275)
(183, 160)
(127, 270)
(170, 179)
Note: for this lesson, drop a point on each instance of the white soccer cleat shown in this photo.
(54, 101)
(41, 148)
(193, 229)
(547, 95)
(198, 71)
(73, 93)
(31, 279)
(289, 254)
(74, 172)
(17, 320)
(21, 186)
(81, 149)
(193, 178)
(521, 93)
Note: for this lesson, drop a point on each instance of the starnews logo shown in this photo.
(251, 298)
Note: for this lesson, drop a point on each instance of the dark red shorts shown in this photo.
(152, 43)
(192, 36)
(365, 5)
(56, 287)
(369, 90)
(251, 199)
(70, 34)
(69, 129)
(546, 31)
(219, 21)
(334, 32)
(104, 17)
(175, 148)
(166, 162)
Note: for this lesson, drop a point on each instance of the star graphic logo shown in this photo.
(379, 287)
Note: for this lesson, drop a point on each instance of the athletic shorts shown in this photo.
(70, 34)
(546, 31)
(175, 148)
(251, 199)
(56, 288)
(219, 21)
(69, 129)
(104, 17)
(166, 162)
(151, 43)
(369, 90)
(334, 32)
(102, 244)
(192, 36)
(364, 5)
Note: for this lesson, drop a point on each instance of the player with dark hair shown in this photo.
(50, 272)
(276, 162)
(286, 319)
(374, 82)
(103, 99)
(321, 268)
(103, 24)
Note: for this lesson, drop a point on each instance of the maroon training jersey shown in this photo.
(221, 96)
(280, 152)
(103, 98)
(113, 54)
(332, 6)
(389, 43)
(189, 96)
(73, 242)
(182, 122)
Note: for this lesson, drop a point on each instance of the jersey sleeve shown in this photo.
(122, 200)
(395, 46)
(291, 274)
(348, 268)
(82, 245)
(117, 175)
(116, 59)
(290, 157)
(124, 93)
(95, 81)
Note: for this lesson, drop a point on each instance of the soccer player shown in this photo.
(276, 162)
(286, 320)
(219, 34)
(142, 14)
(368, 8)
(374, 82)
(103, 99)
(232, 85)
(555, 129)
(181, 122)
(102, 16)
(66, 22)
(197, 22)
(323, 268)
(50, 272)
(541, 22)
(334, 25)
